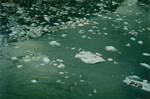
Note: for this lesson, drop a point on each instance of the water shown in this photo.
(24, 74)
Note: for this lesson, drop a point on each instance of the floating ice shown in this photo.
(137, 82)
(14, 58)
(61, 65)
(19, 66)
(140, 42)
(46, 60)
(111, 48)
(145, 65)
(33, 81)
(54, 43)
(146, 54)
(89, 58)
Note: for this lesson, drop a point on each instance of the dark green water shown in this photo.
(35, 79)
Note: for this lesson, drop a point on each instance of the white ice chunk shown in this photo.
(145, 65)
(14, 58)
(54, 43)
(146, 54)
(111, 48)
(89, 58)
(33, 81)
(137, 82)
(46, 60)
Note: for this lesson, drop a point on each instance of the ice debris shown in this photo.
(89, 58)
(146, 54)
(111, 48)
(137, 82)
(54, 43)
(46, 60)
(145, 65)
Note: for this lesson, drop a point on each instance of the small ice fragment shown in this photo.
(54, 43)
(111, 48)
(66, 77)
(33, 81)
(146, 54)
(110, 59)
(132, 38)
(46, 60)
(14, 58)
(90, 94)
(19, 66)
(61, 73)
(46, 18)
(89, 58)
(140, 42)
(94, 91)
(61, 65)
(145, 65)
(63, 35)
(59, 60)
(128, 45)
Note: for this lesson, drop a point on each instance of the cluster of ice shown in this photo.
(137, 82)
(89, 58)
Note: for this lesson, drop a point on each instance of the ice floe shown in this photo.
(137, 82)
(14, 58)
(89, 57)
(54, 43)
(33, 81)
(19, 66)
(46, 60)
(111, 48)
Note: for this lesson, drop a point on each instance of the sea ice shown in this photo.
(145, 65)
(54, 43)
(137, 82)
(111, 48)
(146, 54)
(46, 60)
(89, 58)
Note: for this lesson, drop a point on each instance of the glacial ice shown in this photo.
(89, 57)
(137, 82)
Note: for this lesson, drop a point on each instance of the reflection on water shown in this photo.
(47, 67)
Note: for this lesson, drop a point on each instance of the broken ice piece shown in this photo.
(46, 60)
(54, 43)
(111, 48)
(89, 58)
(19, 66)
(137, 82)
(145, 65)
(14, 58)
(33, 81)
(146, 54)
(61, 65)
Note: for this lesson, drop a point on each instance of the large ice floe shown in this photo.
(89, 57)
(137, 82)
